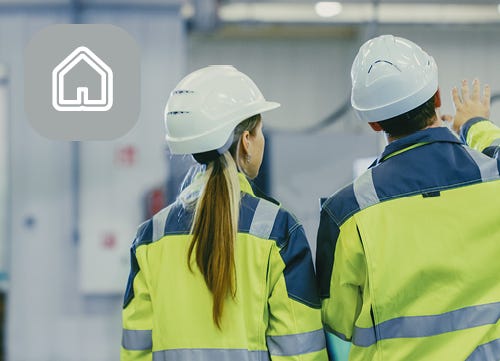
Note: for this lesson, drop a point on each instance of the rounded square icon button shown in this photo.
(82, 82)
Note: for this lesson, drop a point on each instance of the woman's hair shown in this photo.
(215, 222)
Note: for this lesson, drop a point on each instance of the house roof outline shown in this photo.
(82, 102)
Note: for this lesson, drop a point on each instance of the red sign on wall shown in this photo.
(126, 156)
(109, 241)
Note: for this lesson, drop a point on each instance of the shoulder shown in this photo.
(341, 205)
(161, 224)
(143, 234)
(265, 219)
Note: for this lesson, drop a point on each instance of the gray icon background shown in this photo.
(112, 45)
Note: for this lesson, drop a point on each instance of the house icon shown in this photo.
(79, 99)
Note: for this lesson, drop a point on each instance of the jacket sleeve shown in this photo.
(482, 135)
(294, 329)
(137, 310)
(342, 273)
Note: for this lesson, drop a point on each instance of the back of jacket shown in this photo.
(275, 315)
(408, 254)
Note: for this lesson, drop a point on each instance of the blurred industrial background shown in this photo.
(69, 210)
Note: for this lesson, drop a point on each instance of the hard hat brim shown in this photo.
(192, 145)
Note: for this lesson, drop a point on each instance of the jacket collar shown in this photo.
(422, 137)
(245, 185)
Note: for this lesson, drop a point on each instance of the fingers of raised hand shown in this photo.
(476, 90)
(486, 95)
(465, 91)
(456, 97)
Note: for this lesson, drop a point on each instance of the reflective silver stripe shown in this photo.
(364, 337)
(263, 219)
(210, 354)
(486, 352)
(364, 190)
(496, 142)
(159, 220)
(487, 166)
(137, 339)
(298, 344)
(425, 326)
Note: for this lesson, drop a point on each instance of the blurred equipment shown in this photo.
(110, 206)
(338, 349)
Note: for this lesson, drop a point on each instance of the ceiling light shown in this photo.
(498, 8)
(356, 12)
(327, 9)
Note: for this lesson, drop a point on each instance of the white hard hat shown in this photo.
(391, 76)
(206, 106)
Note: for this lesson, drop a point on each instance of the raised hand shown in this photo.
(469, 106)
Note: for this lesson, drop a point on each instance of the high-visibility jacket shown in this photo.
(408, 255)
(275, 315)
(482, 135)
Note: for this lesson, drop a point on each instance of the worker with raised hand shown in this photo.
(407, 254)
(471, 119)
(221, 274)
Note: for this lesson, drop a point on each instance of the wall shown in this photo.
(305, 74)
(49, 319)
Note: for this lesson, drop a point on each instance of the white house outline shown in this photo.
(82, 102)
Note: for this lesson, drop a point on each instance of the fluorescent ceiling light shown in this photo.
(498, 8)
(327, 9)
(356, 13)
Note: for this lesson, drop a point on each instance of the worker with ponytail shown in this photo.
(222, 273)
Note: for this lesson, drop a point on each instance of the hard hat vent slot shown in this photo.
(182, 91)
(178, 112)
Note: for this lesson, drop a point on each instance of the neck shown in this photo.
(436, 123)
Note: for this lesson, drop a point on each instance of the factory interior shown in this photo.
(69, 209)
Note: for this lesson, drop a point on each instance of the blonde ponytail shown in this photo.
(215, 220)
(214, 230)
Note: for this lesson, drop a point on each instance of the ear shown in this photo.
(376, 126)
(245, 142)
(437, 99)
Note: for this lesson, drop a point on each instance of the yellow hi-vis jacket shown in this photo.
(276, 315)
(408, 255)
(482, 135)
